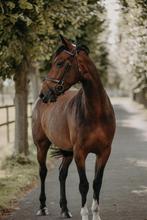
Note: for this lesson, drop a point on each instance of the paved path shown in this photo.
(124, 191)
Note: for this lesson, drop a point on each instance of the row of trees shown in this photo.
(29, 32)
(132, 47)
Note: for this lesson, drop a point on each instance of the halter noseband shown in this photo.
(59, 88)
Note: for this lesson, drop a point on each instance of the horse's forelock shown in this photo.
(60, 49)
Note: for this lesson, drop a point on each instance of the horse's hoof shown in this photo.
(42, 212)
(66, 214)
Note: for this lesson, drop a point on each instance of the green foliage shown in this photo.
(133, 42)
(29, 29)
(19, 175)
(93, 36)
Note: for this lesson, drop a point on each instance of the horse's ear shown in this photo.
(83, 47)
(63, 40)
(66, 42)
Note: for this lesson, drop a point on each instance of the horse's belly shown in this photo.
(60, 140)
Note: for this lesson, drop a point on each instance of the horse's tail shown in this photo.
(58, 153)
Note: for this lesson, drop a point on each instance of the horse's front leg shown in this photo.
(42, 150)
(101, 161)
(83, 185)
(63, 171)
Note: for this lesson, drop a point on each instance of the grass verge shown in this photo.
(17, 176)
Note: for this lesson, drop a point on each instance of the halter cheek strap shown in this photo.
(59, 88)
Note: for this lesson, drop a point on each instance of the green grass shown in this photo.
(19, 175)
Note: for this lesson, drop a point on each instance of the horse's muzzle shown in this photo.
(48, 96)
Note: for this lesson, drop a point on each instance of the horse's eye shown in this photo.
(60, 64)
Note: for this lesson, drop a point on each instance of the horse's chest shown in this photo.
(57, 131)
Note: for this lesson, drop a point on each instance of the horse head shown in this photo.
(65, 70)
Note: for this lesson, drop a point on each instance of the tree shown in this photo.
(93, 34)
(133, 43)
(1, 91)
(28, 33)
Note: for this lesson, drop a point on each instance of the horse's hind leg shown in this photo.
(42, 149)
(101, 161)
(63, 171)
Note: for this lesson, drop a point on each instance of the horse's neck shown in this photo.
(94, 96)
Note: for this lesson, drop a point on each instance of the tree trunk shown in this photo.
(35, 80)
(21, 100)
(2, 92)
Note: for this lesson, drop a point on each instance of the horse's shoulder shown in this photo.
(70, 94)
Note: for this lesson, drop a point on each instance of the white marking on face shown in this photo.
(84, 212)
(95, 210)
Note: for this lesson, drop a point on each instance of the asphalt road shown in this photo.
(124, 190)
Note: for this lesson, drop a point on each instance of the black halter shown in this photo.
(59, 88)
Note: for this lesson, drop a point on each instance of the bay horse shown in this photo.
(78, 122)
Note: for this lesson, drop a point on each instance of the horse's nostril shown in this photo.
(45, 100)
(41, 95)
